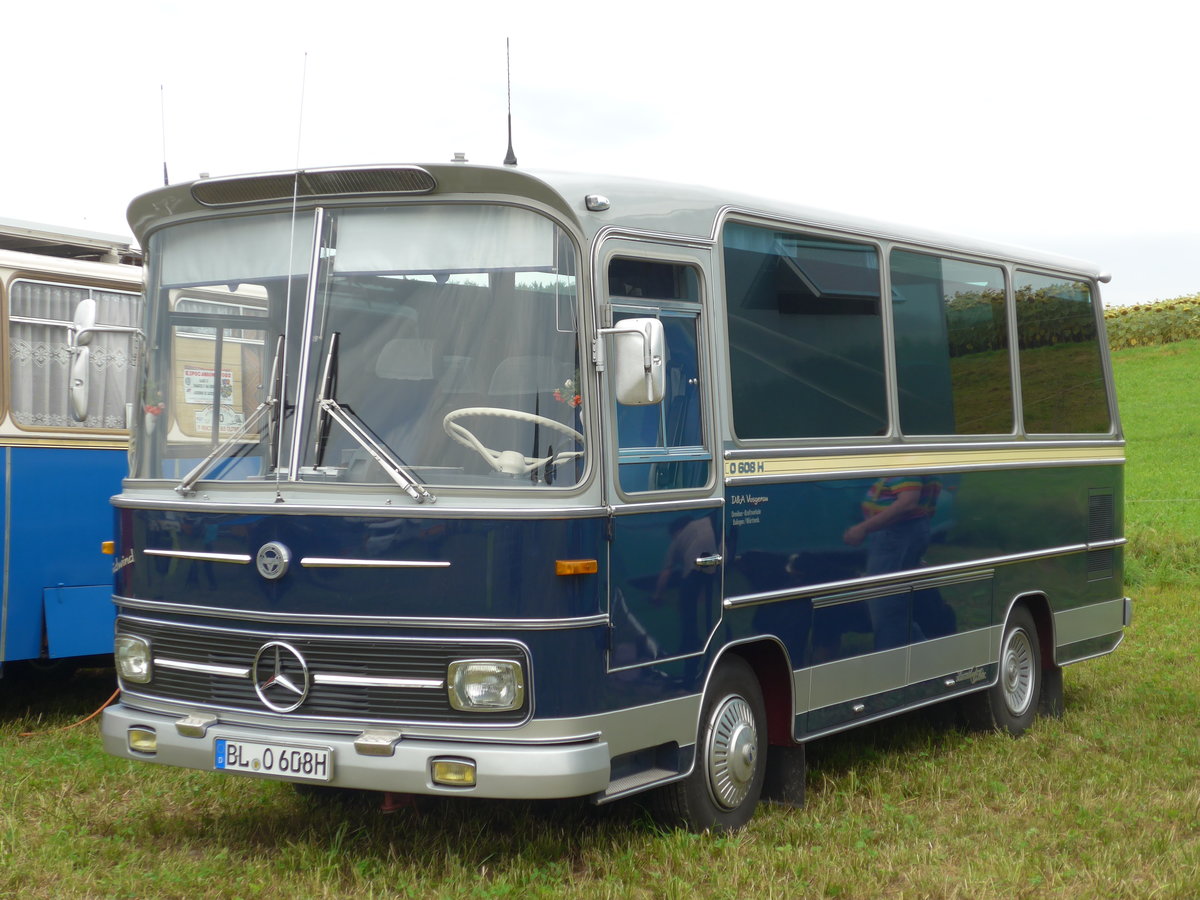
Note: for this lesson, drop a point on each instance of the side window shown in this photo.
(805, 335)
(40, 357)
(1062, 374)
(662, 446)
(952, 362)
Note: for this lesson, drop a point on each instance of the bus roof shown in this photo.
(591, 202)
(66, 243)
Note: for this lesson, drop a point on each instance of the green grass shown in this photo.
(1105, 802)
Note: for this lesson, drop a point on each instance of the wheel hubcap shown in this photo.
(1017, 673)
(732, 752)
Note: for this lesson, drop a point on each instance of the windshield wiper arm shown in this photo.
(268, 409)
(329, 410)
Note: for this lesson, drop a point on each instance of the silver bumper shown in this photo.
(503, 771)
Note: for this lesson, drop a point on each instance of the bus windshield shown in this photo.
(417, 344)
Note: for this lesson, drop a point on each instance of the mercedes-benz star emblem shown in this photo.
(272, 560)
(280, 676)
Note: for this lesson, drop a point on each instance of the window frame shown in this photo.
(1006, 270)
(631, 248)
(881, 248)
(1096, 304)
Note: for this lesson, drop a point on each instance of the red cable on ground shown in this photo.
(106, 703)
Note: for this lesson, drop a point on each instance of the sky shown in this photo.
(1069, 127)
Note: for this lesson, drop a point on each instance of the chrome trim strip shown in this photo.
(311, 289)
(896, 578)
(891, 448)
(949, 580)
(378, 681)
(875, 593)
(318, 677)
(239, 558)
(187, 609)
(327, 562)
(633, 509)
(289, 508)
(203, 668)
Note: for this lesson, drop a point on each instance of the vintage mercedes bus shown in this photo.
(62, 457)
(480, 482)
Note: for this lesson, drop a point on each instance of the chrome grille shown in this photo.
(362, 658)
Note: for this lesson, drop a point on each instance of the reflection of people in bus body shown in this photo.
(895, 526)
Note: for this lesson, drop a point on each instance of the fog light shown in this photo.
(143, 740)
(133, 658)
(453, 772)
(485, 684)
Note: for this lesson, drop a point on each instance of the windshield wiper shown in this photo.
(268, 409)
(329, 410)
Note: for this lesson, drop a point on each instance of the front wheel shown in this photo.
(723, 789)
(1011, 704)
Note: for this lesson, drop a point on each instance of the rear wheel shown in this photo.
(726, 781)
(1011, 704)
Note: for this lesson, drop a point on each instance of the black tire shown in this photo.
(726, 781)
(1011, 704)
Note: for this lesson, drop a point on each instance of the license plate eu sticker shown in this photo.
(278, 760)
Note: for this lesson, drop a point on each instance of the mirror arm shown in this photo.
(598, 347)
(108, 329)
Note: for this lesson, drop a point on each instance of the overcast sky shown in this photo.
(1071, 127)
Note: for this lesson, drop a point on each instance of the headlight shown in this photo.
(133, 658)
(485, 684)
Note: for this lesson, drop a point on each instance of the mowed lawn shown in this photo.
(1105, 802)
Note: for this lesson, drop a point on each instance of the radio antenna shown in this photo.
(162, 114)
(511, 158)
(300, 124)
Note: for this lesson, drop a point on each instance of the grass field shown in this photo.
(1105, 802)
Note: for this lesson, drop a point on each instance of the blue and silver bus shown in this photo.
(479, 482)
(63, 456)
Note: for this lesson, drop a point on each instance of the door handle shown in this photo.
(705, 562)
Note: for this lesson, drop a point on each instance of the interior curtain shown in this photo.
(40, 356)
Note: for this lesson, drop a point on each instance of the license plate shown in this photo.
(277, 760)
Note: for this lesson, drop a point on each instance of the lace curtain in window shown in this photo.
(40, 357)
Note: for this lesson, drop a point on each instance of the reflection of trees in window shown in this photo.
(1062, 375)
(951, 330)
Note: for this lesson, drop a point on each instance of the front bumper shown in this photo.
(503, 771)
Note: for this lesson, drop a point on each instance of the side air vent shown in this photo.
(281, 186)
(1101, 527)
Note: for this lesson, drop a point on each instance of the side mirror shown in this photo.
(80, 377)
(638, 372)
(84, 324)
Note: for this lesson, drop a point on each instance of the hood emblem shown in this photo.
(281, 677)
(272, 560)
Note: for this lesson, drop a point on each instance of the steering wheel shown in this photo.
(510, 462)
